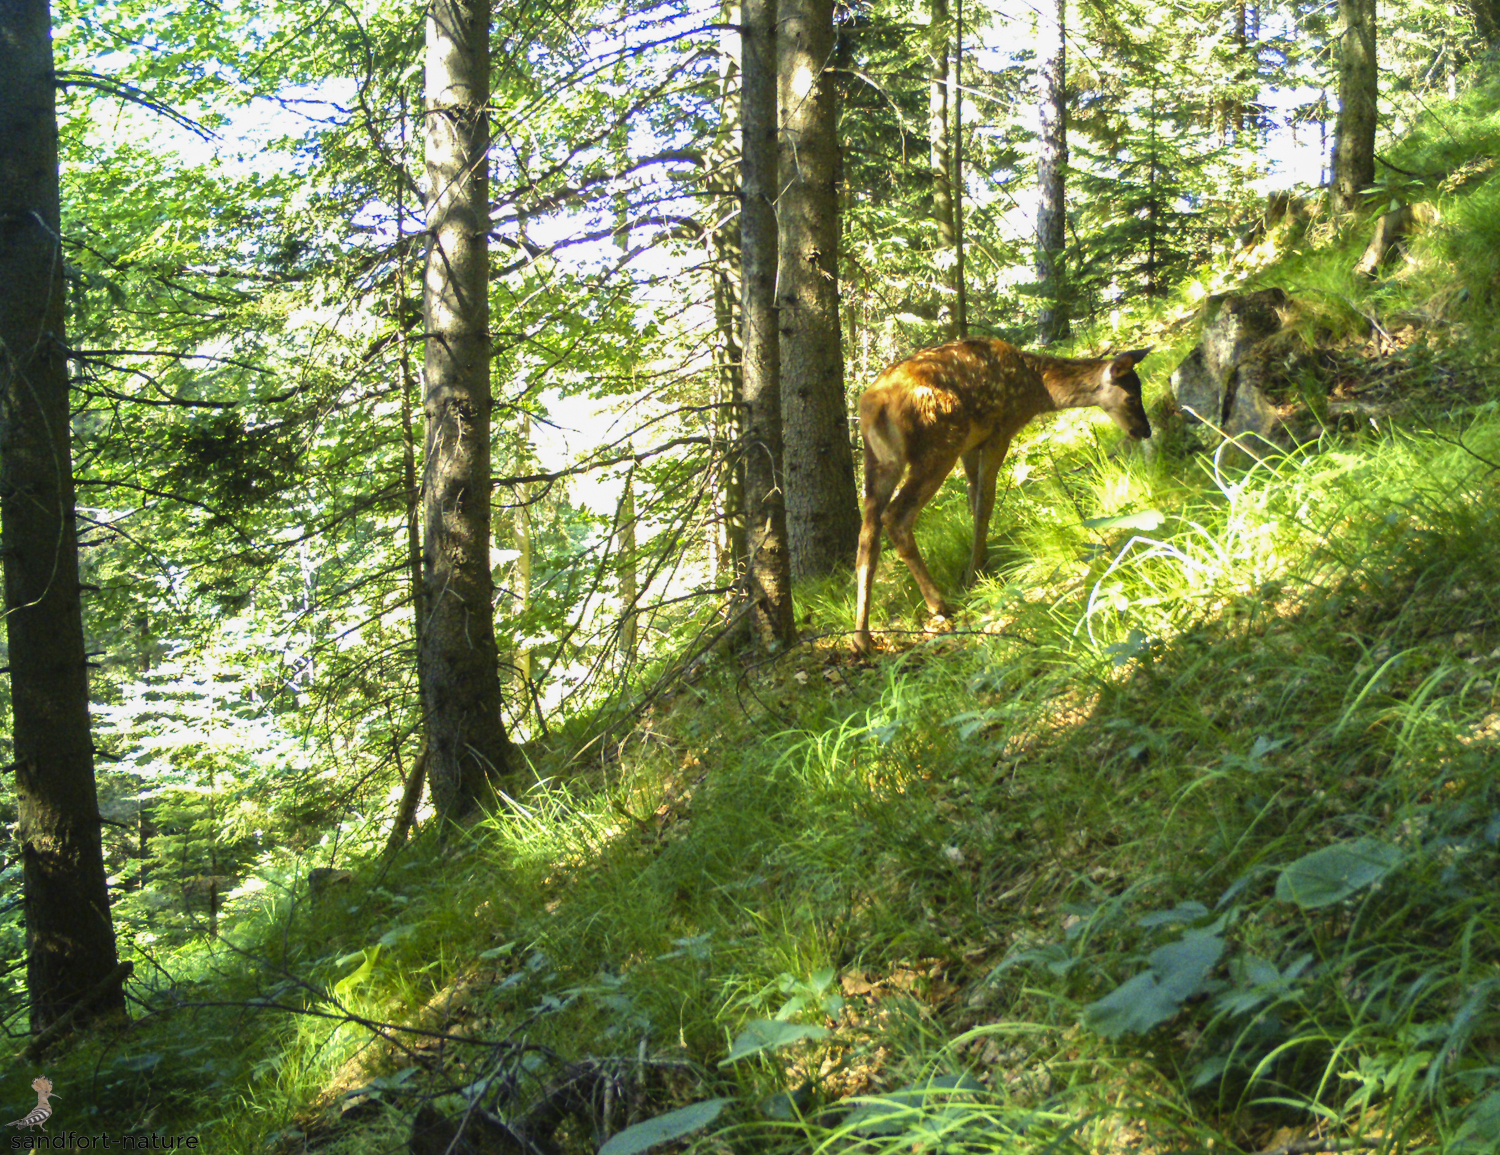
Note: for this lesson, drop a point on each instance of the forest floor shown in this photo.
(1182, 836)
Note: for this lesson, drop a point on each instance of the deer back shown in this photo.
(946, 400)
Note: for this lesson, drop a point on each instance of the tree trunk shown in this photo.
(467, 750)
(938, 132)
(522, 528)
(727, 553)
(956, 87)
(1354, 138)
(769, 561)
(1486, 17)
(1051, 212)
(411, 799)
(729, 423)
(411, 791)
(629, 591)
(70, 941)
(821, 510)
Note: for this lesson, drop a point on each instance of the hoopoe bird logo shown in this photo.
(42, 1111)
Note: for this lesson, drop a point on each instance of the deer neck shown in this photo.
(1070, 384)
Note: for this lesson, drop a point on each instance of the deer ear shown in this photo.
(1124, 362)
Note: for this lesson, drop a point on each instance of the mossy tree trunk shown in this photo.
(70, 940)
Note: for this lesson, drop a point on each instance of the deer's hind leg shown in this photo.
(900, 518)
(981, 467)
(881, 478)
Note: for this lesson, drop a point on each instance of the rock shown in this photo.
(321, 878)
(1237, 379)
(1284, 211)
(1390, 230)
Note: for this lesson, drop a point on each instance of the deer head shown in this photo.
(1119, 394)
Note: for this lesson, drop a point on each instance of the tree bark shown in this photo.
(467, 749)
(411, 791)
(728, 553)
(1354, 138)
(938, 132)
(1052, 163)
(70, 940)
(768, 559)
(821, 510)
(956, 148)
(411, 799)
(625, 544)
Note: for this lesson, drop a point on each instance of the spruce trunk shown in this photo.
(70, 940)
(941, 161)
(467, 750)
(769, 561)
(822, 512)
(1052, 163)
(1354, 138)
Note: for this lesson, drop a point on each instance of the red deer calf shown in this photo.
(964, 402)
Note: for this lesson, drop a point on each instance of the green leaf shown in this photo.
(396, 934)
(1053, 955)
(1480, 1127)
(1147, 519)
(768, 1035)
(1182, 912)
(1178, 971)
(360, 973)
(1334, 873)
(1135, 644)
(664, 1128)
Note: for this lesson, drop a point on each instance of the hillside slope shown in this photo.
(1185, 836)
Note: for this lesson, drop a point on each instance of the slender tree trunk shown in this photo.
(821, 510)
(1242, 75)
(467, 750)
(1354, 137)
(629, 579)
(1052, 164)
(724, 257)
(523, 563)
(729, 423)
(411, 799)
(939, 123)
(411, 788)
(70, 941)
(769, 560)
(625, 544)
(956, 86)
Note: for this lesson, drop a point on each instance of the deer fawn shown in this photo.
(965, 401)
